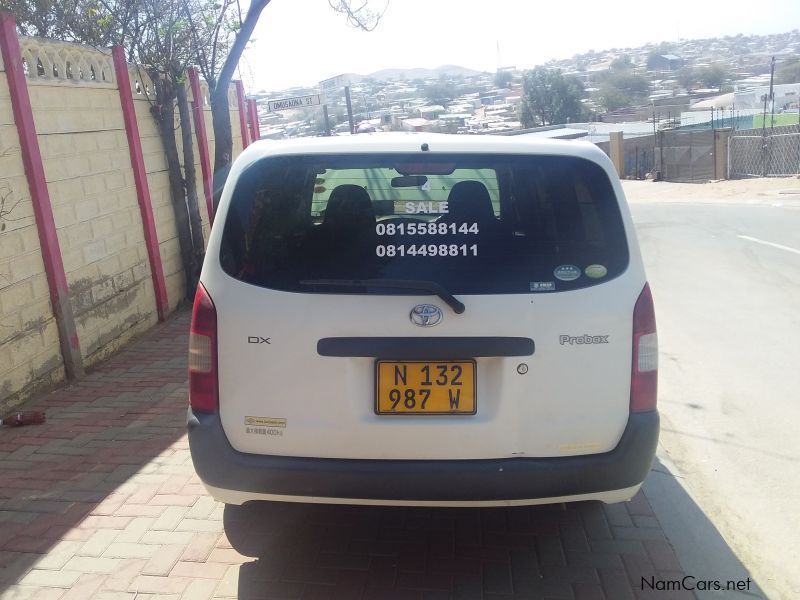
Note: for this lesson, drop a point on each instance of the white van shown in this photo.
(422, 319)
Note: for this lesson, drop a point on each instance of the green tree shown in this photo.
(634, 86)
(686, 77)
(619, 89)
(89, 22)
(156, 38)
(713, 76)
(165, 37)
(441, 92)
(788, 72)
(622, 63)
(221, 34)
(549, 97)
(503, 78)
(612, 98)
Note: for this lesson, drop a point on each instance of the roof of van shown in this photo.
(412, 142)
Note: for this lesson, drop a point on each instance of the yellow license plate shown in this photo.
(442, 387)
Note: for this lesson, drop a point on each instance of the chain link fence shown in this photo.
(770, 152)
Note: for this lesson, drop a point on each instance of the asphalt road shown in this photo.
(726, 283)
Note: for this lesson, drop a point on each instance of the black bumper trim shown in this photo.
(425, 347)
(219, 465)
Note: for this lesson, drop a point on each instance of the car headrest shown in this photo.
(349, 206)
(470, 201)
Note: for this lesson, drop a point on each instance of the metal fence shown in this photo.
(769, 152)
(638, 157)
(686, 156)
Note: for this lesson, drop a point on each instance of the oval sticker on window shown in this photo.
(595, 271)
(567, 272)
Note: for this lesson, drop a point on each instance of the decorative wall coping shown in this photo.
(49, 61)
(142, 88)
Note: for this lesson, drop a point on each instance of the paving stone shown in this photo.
(58, 555)
(497, 578)
(424, 581)
(97, 543)
(169, 518)
(194, 570)
(166, 537)
(229, 585)
(200, 589)
(102, 502)
(91, 564)
(148, 584)
(85, 587)
(662, 555)
(50, 578)
(136, 530)
(200, 546)
(129, 550)
(199, 525)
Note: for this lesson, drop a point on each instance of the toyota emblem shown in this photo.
(426, 315)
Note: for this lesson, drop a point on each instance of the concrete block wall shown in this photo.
(81, 134)
(155, 162)
(30, 357)
(90, 179)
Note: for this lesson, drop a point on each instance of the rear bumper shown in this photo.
(220, 466)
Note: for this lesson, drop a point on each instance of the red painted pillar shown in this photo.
(250, 131)
(242, 113)
(255, 130)
(140, 179)
(40, 197)
(202, 141)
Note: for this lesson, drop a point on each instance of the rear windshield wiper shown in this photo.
(394, 284)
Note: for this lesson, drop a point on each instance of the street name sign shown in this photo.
(330, 85)
(296, 102)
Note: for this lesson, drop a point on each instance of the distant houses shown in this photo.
(457, 100)
(664, 62)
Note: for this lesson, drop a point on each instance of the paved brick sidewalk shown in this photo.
(102, 502)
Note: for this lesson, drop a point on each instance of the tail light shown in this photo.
(203, 394)
(644, 369)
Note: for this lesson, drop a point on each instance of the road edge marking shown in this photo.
(774, 245)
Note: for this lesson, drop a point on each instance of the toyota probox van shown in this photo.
(422, 319)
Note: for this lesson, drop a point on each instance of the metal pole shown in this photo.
(326, 119)
(764, 137)
(655, 140)
(771, 91)
(349, 108)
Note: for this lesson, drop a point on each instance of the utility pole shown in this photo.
(327, 120)
(771, 92)
(764, 125)
(767, 97)
(349, 109)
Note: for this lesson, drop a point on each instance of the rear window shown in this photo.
(473, 224)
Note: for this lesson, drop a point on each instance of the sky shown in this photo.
(300, 42)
